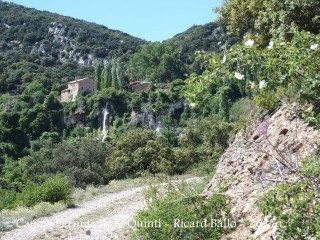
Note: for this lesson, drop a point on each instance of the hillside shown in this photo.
(54, 48)
(210, 37)
(241, 108)
(177, 57)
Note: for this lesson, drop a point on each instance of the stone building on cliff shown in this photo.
(77, 88)
(137, 86)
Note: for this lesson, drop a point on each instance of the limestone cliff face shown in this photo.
(256, 161)
(66, 46)
(148, 119)
(145, 119)
(78, 117)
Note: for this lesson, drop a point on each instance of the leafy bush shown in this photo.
(313, 119)
(158, 62)
(81, 161)
(267, 19)
(267, 100)
(7, 198)
(295, 206)
(259, 72)
(140, 151)
(182, 203)
(55, 189)
(241, 112)
(204, 142)
(29, 195)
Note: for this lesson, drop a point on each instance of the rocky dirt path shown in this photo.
(105, 217)
(101, 218)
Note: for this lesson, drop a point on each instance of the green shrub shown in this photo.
(256, 71)
(81, 161)
(267, 100)
(203, 144)
(313, 119)
(295, 206)
(7, 198)
(182, 204)
(29, 195)
(267, 19)
(140, 151)
(185, 158)
(241, 109)
(55, 189)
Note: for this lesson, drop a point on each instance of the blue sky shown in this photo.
(153, 20)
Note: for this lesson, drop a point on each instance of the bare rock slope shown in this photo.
(260, 156)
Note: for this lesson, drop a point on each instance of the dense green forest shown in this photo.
(215, 73)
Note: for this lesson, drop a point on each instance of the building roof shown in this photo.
(136, 83)
(80, 80)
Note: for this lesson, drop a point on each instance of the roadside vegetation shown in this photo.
(183, 212)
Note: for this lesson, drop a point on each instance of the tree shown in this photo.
(98, 74)
(140, 151)
(157, 62)
(82, 162)
(112, 75)
(106, 78)
(271, 18)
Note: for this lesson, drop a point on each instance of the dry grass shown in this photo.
(82, 195)
(11, 219)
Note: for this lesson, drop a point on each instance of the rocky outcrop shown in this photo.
(147, 119)
(260, 156)
(67, 45)
(78, 117)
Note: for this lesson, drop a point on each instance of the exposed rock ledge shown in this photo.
(249, 167)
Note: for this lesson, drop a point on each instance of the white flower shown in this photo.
(249, 43)
(262, 84)
(238, 76)
(192, 105)
(270, 45)
(314, 46)
(252, 84)
(224, 59)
